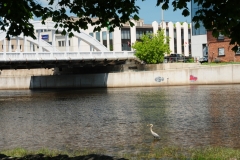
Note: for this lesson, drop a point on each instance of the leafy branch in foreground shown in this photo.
(220, 16)
(15, 17)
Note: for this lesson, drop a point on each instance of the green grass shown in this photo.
(219, 63)
(21, 152)
(206, 153)
(216, 153)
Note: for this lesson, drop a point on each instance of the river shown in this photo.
(115, 119)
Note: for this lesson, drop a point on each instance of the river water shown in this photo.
(115, 119)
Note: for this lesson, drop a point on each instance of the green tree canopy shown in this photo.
(152, 48)
(15, 15)
(217, 15)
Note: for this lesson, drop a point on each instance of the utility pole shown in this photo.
(162, 15)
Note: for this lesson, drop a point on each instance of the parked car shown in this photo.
(203, 60)
(175, 57)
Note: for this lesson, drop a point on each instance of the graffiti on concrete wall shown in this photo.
(159, 79)
(193, 78)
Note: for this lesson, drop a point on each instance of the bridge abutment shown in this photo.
(152, 75)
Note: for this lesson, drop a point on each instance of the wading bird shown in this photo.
(155, 135)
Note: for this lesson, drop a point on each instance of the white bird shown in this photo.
(155, 135)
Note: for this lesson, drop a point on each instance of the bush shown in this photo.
(217, 60)
(190, 60)
(152, 48)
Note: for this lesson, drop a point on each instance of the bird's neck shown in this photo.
(151, 128)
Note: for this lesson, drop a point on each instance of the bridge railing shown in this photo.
(62, 56)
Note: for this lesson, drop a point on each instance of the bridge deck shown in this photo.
(27, 60)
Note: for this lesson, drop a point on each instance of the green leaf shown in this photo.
(152, 47)
(185, 12)
(71, 34)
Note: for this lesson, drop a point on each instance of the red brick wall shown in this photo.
(213, 53)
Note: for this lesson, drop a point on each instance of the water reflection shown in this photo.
(116, 119)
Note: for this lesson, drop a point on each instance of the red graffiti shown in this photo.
(192, 78)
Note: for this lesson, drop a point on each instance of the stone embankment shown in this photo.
(131, 75)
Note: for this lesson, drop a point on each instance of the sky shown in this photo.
(149, 12)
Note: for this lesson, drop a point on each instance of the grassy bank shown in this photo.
(167, 152)
(191, 154)
(21, 152)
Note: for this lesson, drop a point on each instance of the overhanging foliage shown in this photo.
(217, 15)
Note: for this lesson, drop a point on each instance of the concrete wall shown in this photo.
(26, 72)
(227, 74)
(15, 82)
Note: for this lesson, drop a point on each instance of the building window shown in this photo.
(104, 38)
(220, 36)
(98, 36)
(167, 32)
(221, 52)
(125, 34)
(238, 51)
(62, 43)
(182, 41)
(139, 34)
(189, 47)
(175, 33)
(126, 40)
(142, 31)
(12, 46)
(104, 35)
(205, 50)
(110, 35)
(189, 33)
(175, 40)
(111, 41)
(182, 34)
(201, 30)
(33, 48)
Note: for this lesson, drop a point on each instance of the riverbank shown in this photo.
(153, 75)
(161, 153)
(60, 157)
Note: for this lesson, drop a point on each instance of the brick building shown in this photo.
(219, 49)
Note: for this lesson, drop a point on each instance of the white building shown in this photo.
(122, 39)
(119, 40)
(199, 36)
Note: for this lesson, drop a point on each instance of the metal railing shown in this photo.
(62, 56)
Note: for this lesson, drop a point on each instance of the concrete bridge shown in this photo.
(46, 55)
(28, 60)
